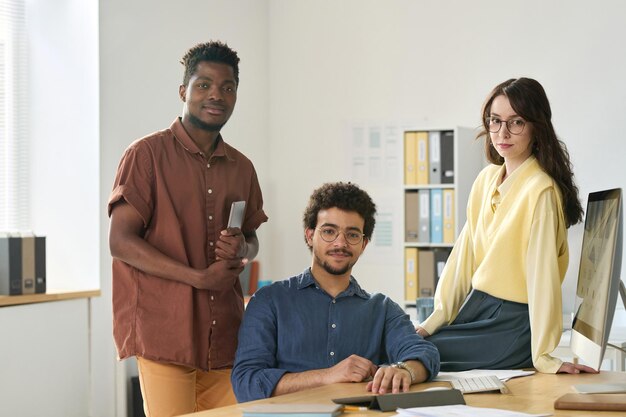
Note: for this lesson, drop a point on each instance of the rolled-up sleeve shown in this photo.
(255, 374)
(403, 344)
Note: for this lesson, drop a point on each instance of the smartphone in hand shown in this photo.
(237, 211)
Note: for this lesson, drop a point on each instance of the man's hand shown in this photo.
(391, 379)
(574, 368)
(388, 379)
(352, 369)
(221, 275)
(419, 330)
(231, 244)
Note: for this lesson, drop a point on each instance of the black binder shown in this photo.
(447, 157)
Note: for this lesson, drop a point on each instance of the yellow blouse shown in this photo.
(514, 247)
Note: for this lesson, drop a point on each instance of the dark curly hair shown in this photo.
(212, 51)
(344, 196)
(529, 100)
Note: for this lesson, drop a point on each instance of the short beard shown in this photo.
(334, 271)
(203, 125)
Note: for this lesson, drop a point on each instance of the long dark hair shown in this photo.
(529, 100)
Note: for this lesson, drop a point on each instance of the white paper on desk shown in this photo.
(502, 374)
(461, 411)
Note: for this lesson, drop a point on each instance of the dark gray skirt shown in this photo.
(488, 333)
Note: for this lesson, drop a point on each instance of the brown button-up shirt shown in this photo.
(184, 198)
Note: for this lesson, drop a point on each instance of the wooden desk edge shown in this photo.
(13, 300)
(533, 394)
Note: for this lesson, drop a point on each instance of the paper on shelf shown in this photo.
(502, 374)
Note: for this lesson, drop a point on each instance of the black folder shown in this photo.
(391, 402)
(447, 157)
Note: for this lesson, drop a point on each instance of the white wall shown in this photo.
(63, 123)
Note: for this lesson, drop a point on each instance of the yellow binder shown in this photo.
(422, 158)
(410, 158)
(410, 274)
(449, 228)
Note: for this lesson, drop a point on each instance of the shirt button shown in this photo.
(333, 325)
(214, 322)
(208, 165)
(334, 301)
(210, 217)
(332, 353)
(213, 298)
(210, 191)
(210, 243)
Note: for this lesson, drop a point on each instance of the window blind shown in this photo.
(14, 138)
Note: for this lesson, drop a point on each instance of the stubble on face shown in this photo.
(209, 127)
(332, 270)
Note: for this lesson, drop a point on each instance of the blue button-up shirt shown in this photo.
(295, 326)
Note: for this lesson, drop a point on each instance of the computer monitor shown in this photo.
(599, 276)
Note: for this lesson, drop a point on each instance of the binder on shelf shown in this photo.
(28, 264)
(436, 215)
(22, 264)
(435, 156)
(10, 265)
(426, 272)
(40, 264)
(446, 142)
(441, 256)
(423, 235)
(422, 158)
(410, 274)
(410, 158)
(411, 216)
(449, 228)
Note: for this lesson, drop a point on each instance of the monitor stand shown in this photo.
(617, 388)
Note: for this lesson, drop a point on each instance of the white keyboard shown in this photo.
(479, 384)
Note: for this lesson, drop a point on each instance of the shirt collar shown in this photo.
(501, 190)
(221, 150)
(307, 280)
(510, 180)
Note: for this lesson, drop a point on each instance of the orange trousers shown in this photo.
(170, 390)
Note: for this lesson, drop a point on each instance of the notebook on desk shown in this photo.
(390, 402)
(292, 410)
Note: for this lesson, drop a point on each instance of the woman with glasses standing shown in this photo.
(498, 301)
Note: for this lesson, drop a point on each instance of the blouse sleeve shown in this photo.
(454, 284)
(543, 281)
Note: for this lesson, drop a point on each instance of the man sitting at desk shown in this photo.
(320, 327)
